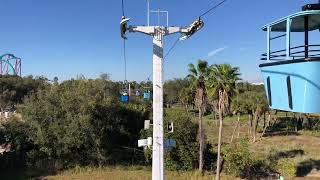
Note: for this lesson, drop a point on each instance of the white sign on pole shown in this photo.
(145, 142)
(149, 141)
(142, 142)
(146, 124)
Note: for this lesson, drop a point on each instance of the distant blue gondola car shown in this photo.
(137, 93)
(124, 97)
(290, 76)
(146, 95)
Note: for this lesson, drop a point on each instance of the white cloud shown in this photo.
(216, 51)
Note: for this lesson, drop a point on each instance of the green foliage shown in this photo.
(286, 167)
(250, 102)
(245, 86)
(13, 89)
(80, 122)
(240, 162)
(172, 89)
(184, 156)
(16, 133)
(238, 157)
(186, 97)
(222, 77)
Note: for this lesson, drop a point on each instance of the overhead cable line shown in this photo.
(203, 14)
(172, 47)
(176, 42)
(122, 8)
(166, 55)
(124, 47)
(213, 8)
(125, 60)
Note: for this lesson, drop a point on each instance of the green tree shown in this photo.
(258, 105)
(198, 75)
(186, 97)
(80, 122)
(222, 85)
(184, 156)
(172, 89)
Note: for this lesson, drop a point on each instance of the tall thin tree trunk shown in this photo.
(265, 128)
(264, 120)
(249, 125)
(219, 143)
(215, 118)
(255, 122)
(200, 141)
(235, 128)
(239, 129)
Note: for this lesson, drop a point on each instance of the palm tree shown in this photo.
(198, 75)
(222, 84)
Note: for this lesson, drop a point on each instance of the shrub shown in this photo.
(287, 167)
(238, 158)
(80, 122)
(242, 163)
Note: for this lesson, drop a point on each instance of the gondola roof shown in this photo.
(297, 24)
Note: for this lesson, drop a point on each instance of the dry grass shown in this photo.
(121, 173)
(307, 143)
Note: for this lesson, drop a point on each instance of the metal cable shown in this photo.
(125, 59)
(166, 55)
(172, 47)
(124, 48)
(122, 8)
(211, 9)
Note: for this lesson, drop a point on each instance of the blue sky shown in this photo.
(65, 38)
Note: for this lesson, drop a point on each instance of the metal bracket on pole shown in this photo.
(159, 12)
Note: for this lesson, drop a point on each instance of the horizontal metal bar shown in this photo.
(159, 11)
(278, 37)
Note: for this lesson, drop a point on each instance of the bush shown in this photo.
(238, 158)
(79, 122)
(287, 167)
(242, 163)
(185, 155)
(16, 134)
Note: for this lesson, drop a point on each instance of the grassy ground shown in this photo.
(121, 173)
(297, 153)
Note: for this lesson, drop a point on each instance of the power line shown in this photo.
(124, 47)
(211, 9)
(172, 47)
(122, 8)
(176, 42)
(166, 55)
(205, 13)
(125, 59)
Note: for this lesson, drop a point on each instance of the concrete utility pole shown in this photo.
(158, 33)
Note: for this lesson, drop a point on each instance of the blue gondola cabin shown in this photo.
(146, 95)
(290, 76)
(124, 97)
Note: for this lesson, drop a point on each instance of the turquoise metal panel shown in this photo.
(297, 22)
(305, 86)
